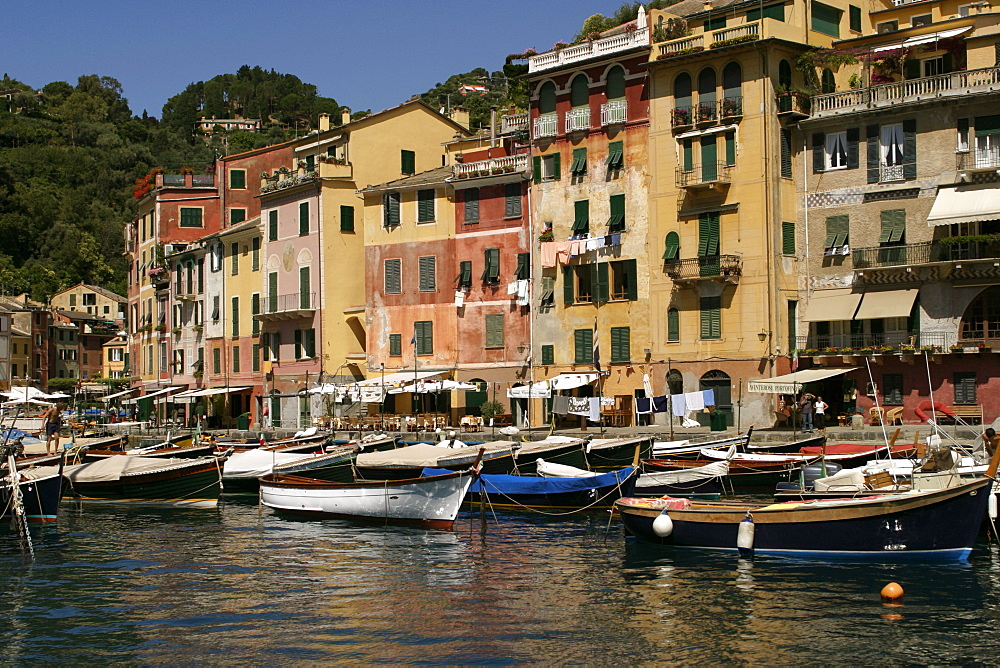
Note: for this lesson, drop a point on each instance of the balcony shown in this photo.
(816, 345)
(794, 103)
(513, 123)
(492, 167)
(721, 268)
(284, 178)
(288, 307)
(893, 256)
(731, 107)
(705, 112)
(978, 158)
(578, 119)
(951, 85)
(587, 50)
(680, 117)
(614, 112)
(333, 168)
(681, 46)
(704, 176)
(546, 125)
(744, 33)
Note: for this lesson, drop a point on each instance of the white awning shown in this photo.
(887, 304)
(835, 304)
(568, 381)
(208, 391)
(792, 383)
(109, 397)
(396, 378)
(922, 39)
(965, 204)
(152, 395)
(539, 390)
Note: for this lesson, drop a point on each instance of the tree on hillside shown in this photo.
(501, 92)
(628, 11)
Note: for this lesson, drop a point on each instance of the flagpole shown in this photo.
(413, 399)
(597, 365)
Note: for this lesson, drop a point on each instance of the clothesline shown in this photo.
(554, 253)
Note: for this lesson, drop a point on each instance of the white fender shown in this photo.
(993, 506)
(663, 526)
(744, 536)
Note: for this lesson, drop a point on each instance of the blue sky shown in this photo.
(364, 54)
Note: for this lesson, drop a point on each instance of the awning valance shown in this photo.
(568, 381)
(833, 304)
(887, 304)
(965, 204)
(539, 390)
(109, 397)
(922, 39)
(208, 391)
(792, 383)
(153, 395)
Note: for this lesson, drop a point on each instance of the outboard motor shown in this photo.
(813, 471)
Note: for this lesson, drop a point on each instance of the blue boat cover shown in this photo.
(516, 484)
(10, 434)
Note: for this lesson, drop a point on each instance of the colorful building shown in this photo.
(91, 299)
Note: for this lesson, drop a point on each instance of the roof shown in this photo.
(94, 288)
(19, 332)
(434, 176)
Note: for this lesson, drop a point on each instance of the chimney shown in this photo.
(461, 116)
(324, 122)
(707, 4)
(345, 115)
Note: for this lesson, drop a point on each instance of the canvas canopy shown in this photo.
(514, 484)
(422, 455)
(965, 204)
(255, 463)
(111, 469)
(792, 383)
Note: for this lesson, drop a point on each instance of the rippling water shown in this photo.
(238, 585)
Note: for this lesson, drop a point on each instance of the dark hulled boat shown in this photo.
(144, 480)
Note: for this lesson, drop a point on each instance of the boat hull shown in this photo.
(530, 492)
(40, 496)
(939, 525)
(198, 485)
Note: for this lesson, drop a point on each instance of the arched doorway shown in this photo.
(475, 398)
(722, 385)
(981, 320)
(675, 382)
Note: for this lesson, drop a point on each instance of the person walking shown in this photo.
(806, 408)
(53, 423)
(819, 419)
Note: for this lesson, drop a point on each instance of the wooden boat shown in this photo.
(408, 462)
(901, 451)
(146, 480)
(159, 450)
(41, 491)
(850, 460)
(608, 454)
(789, 446)
(935, 525)
(242, 470)
(430, 502)
(692, 450)
(744, 475)
(592, 492)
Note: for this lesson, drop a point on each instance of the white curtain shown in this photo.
(892, 144)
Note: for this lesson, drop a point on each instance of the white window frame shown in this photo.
(835, 159)
(962, 144)
(935, 63)
(548, 167)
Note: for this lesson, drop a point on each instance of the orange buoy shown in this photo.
(892, 592)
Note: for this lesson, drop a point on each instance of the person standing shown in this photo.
(53, 422)
(806, 408)
(819, 419)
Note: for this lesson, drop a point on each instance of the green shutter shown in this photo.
(236, 359)
(711, 317)
(556, 174)
(708, 234)
(730, 149)
(427, 279)
(272, 225)
(581, 217)
(819, 151)
(616, 221)
(569, 295)
(893, 226)
(776, 12)
(616, 83)
(688, 152)
(673, 325)
(837, 230)
(512, 200)
(303, 219)
(425, 206)
(465, 274)
(583, 346)
(709, 159)
(254, 310)
(305, 298)
(673, 245)
(788, 238)
(548, 354)
(216, 360)
(425, 337)
(826, 19)
(470, 199)
(346, 218)
(298, 344)
(716, 23)
(853, 139)
(621, 348)
(395, 345)
(234, 254)
(579, 165)
(910, 148)
(600, 287)
(631, 279)
(255, 355)
(491, 272)
(616, 155)
(523, 271)
(236, 316)
(272, 292)
(408, 161)
(310, 342)
(390, 204)
(393, 276)
(873, 158)
(855, 18)
(536, 169)
(987, 125)
(786, 153)
(494, 330)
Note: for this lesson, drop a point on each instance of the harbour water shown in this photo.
(241, 585)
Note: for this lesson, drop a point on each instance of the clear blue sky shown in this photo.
(364, 54)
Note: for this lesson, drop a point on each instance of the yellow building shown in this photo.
(115, 358)
(91, 299)
(20, 353)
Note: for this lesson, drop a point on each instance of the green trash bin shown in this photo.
(717, 421)
(243, 422)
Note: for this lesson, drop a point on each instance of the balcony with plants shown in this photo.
(689, 271)
(870, 345)
(633, 35)
(508, 164)
(284, 178)
(952, 250)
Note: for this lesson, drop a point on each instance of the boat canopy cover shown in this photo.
(110, 469)
(706, 472)
(515, 484)
(255, 463)
(424, 455)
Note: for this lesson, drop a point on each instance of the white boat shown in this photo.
(433, 501)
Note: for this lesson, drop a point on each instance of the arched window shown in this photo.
(827, 84)
(675, 382)
(784, 75)
(579, 92)
(732, 81)
(673, 246)
(616, 83)
(981, 319)
(682, 90)
(706, 94)
(673, 325)
(547, 98)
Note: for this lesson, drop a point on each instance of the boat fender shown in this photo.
(993, 506)
(744, 536)
(663, 526)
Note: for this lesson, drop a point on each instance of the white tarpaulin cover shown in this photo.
(922, 39)
(23, 394)
(255, 463)
(706, 472)
(115, 467)
(965, 204)
(109, 397)
(792, 383)
(152, 395)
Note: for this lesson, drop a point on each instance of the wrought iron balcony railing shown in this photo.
(707, 174)
(706, 267)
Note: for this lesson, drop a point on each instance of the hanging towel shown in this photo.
(660, 404)
(695, 401)
(595, 409)
(709, 397)
(560, 404)
(616, 239)
(548, 250)
(579, 406)
(459, 298)
(679, 405)
(562, 252)
(523, 298)
(592, 243)
(643, 405)
(512, 288)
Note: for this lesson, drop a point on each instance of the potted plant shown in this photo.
(547, 235)
(810, 352)
(161, 328)
(956, 348)
(929, 349)
(984, 347)
(884, 350)
(866, 350)
(198, 329)
(176, 331)
(907, 349)
(490, 409)
(831, 351)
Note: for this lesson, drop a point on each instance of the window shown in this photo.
(215, 309)
(234, 254)
(272, 292)
(305, 343)
(855, 17)
(190, 216)
(673, 325)
(776, 12)
(238, 179)
(827, 82)
(395, 345)
(708, 234)
(787, 238)
(621, 347)
(311, 162)
(965, 387)
(579, 165)
(546, 299)
(730, 139)
(709, 159)
(512, 200)
(673, 246)
(494, 330)
(711, 317)
(987, 141)
(893, 227)
(216, 360)
(886, 27)
(891, 141)
(491, 273)
(216, 257)
(72, 299)
(583, 346)
(425, 206)
(963, 136)
(826, 19)
(423, 334)
(303, 218)
(548, 354)
(616, 155)
(581, 218)
(305, 290)
(390, 210)
(275, 412)
(237, 216)
(393, 277)
(427, 274)
(523, 271)
(931, 67)
(715, 23)
(346, 218)
(920, 20)
(616, 221)
(836, 150)
(837, 233)
(407, 162)
(624, 280)
(615, 83)
(254, 310)
(465, 275)
(255, 357)
(471, 199)
(236, 359)
(236, 316)
(892, 389)
(545, 168)
(272, 225)
(786, 153)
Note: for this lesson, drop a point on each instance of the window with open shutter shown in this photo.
(298, 344)
(893, 227)
(616, 155)
(965, 388)
(236, 316)
(395, 345)
(465, 275)
(523, 271)
(548, 354)
(708, 234)
(255, 310)
(581, 217)
(425, 205)
(547, 297)
(673, 246)
(346, 218)
(711, 317)
(512, 200)
(579, 164)
(621, 346)
(786, 153)
(427, 269)
(494, 330)
(491, 271)
(673, 325)
(272, 225)
(390, 209)
(423, 332)
(408, 162)
(583, 346)
(837, 231)
(254, 258)
(471, 198)
(309, 342)
(393, 276)
(303, 218)
(787, 238)
(616, 221)
(569, 284)
(599, 284)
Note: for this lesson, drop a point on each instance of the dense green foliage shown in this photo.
(628, 11)
(502, 92)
